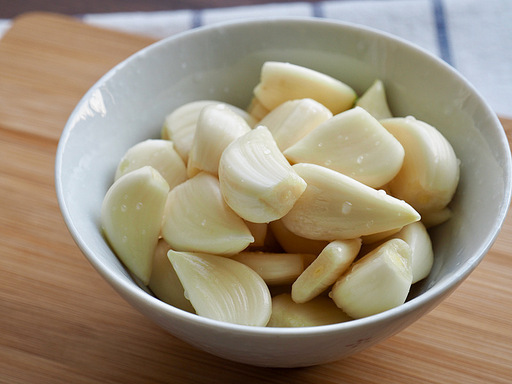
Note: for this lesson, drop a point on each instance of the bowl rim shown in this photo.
(132, 290)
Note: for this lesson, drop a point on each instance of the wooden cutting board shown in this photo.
(61, 323)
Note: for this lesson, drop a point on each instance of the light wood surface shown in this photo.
(61, 323)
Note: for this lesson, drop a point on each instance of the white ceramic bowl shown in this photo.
(222, 62)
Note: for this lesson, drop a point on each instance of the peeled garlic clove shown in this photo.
(131, 215)
(256, 110)
(375, 102)
(422, 255)
(379, 281)
(164, 281)
(292, 243)
(292, 120)
(197, 219)
(180, 125)
(274, 268)
(379, 236)
(336, 207)
(319, 311)
(329, 265)
(223, 289)
(353, 143)
(250, 120)
(217, 126)
(430, 172)
(160, 154)
(280, 82)
(256, 180)
(433, 218)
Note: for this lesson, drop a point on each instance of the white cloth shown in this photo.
(474, 36)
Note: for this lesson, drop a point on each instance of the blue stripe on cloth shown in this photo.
(442, 33)
(197, 18)
(317, 10)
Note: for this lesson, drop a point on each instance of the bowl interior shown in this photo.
(223, 62)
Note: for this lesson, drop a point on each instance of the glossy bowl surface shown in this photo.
(222, 62)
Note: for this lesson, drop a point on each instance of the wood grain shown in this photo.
(61, 323)
(10, 9)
